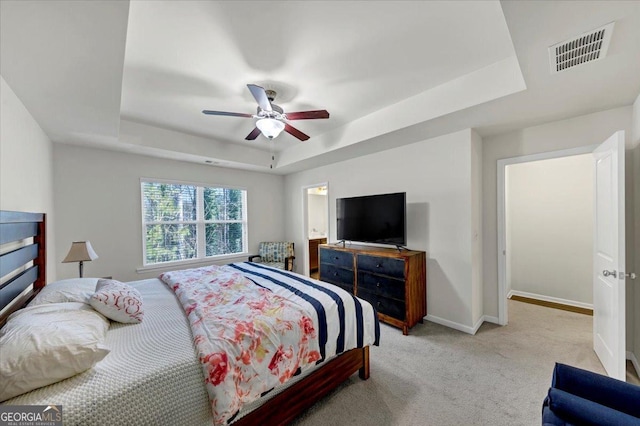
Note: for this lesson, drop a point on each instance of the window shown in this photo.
(187, 221)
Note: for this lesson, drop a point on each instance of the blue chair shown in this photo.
(580, 397)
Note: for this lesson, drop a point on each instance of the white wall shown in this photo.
(476, 227)
(97, 198)
(317, 207)
(635, 138)
(436, 175)
(26, 166)
(549, 217)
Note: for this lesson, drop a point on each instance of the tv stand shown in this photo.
(394, 281)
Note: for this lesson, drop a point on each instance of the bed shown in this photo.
(152, 374)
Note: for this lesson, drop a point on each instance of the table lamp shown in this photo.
(80, 251)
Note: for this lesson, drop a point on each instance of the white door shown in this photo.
(608, 256)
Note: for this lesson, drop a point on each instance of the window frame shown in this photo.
(200, 223)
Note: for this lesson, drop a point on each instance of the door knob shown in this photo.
(607, 273)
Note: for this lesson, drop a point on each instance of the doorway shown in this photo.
(316, 224)
(549, 232)
(506, 272)
(608, 261)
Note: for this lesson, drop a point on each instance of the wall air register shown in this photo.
(588, 47)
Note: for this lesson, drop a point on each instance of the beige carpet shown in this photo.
(439, 376)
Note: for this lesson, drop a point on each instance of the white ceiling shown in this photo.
(64, 61)
(135, 76)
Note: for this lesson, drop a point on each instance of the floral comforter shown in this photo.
(255, 327)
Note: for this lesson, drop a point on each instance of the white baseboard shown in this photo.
(461, 327)
(451, 324)
(632, 357)
(477, 325)
(493, 320)
(483, 319)
(550, 299)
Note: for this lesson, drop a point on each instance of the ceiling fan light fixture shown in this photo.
(270, 127)
(270, 117)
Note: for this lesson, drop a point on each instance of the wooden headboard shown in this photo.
(28, 278)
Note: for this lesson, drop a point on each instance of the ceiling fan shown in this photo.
(271, 118)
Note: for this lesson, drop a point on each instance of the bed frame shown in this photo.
(284, 407)
(28, 259)
(15, 292)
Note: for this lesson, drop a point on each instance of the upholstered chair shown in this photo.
(580, 397)
(277, 254)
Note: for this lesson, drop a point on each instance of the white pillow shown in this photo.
(71, 290)
(118, 301)
(47, 343)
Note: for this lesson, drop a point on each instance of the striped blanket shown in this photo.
(255, 327)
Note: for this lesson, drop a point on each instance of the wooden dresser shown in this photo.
(394, 282)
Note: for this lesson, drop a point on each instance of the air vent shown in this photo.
(588, 47)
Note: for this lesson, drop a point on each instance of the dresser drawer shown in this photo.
(336, 257)
(384, 305)
(381, 265)
(335, 275)
(381, 285)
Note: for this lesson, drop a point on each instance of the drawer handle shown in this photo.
(335, 274)
(379, 304)
(378, 265)
(336, 258)
(378, 285)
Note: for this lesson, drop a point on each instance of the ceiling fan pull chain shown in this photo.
(273, 157)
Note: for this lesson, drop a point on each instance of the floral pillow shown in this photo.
(117, 301)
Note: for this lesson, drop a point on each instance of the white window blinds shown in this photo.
(186, 222)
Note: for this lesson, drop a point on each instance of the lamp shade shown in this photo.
(270, 127)
(80, 251)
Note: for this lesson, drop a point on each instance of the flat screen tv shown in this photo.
(373, 219)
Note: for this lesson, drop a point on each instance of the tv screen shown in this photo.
(373, 219)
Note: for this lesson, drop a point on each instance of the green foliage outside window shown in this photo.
(177, 217)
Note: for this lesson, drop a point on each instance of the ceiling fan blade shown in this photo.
(231, 114)
(254, 134)
(307, 115)
(261, 97)
(295, 132)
